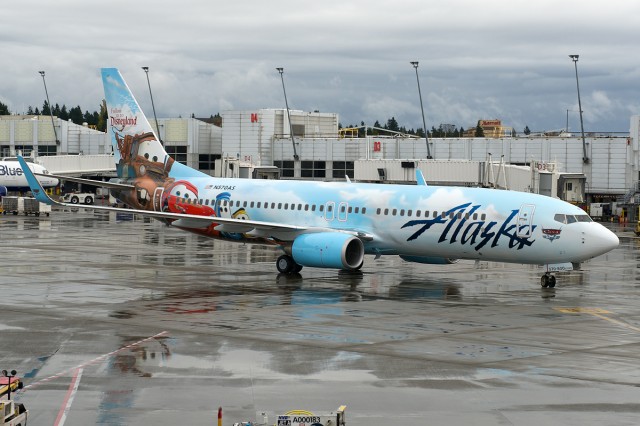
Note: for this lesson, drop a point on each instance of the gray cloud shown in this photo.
(488, 59)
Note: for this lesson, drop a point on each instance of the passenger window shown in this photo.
(401, 212)
(475, 216)
(364, 210)
(330, 208)
(483, 216)
(349, 210)
(251, 206)
(408, 212)
(279, 206)
(378, 210)
(306, 207)
(418, 213)
(386, 212)
(321, 209)
(313, 207)
(357, 209)
(395, 211)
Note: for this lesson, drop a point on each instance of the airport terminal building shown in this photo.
(258, 143)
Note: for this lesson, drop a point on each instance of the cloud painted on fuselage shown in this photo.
(459, 229)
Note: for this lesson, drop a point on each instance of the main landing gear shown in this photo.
(548, 280)
(286, 265)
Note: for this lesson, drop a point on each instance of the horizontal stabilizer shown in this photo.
(110, 185)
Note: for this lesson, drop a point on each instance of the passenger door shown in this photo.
(525, 220)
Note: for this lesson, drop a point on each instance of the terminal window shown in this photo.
(24, 149)
(178, 152)
(45, 150)
(208, 161)
(286, 168)
(313, 169)
(342, 169)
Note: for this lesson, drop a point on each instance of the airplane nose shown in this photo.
(602, 240)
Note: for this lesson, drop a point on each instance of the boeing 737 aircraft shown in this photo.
(333, 225)
(13, 179)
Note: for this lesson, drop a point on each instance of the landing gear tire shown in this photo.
(548, 280)
(286, 265)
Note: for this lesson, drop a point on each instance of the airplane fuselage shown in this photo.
(408, 220)
(12, 177)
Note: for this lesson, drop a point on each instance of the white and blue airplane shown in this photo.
(12, 177)
(334, 224)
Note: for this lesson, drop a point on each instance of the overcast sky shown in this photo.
(478, 59)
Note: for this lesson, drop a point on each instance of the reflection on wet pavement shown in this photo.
(397, 342)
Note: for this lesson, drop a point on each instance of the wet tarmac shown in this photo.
(115, 320)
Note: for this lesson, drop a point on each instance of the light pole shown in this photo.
(293, 142)
(55, 134)
(424, 123)
(146, 70)
(585, 159)
(9, 376)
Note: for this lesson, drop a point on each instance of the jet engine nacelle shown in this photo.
(432, 260)
(328, 250)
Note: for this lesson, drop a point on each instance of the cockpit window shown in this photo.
(569, 218)
(560, 218)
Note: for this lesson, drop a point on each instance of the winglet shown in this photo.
(34, 185)
(420, 178)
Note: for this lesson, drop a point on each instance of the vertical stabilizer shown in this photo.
(137, 151)
(141, 160)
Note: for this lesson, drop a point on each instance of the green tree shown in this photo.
(479, 132)
(4, 110)
(45, 108)
(526, 130)
(103, 117)
(392, 124)
(63, 113)
(75, 115)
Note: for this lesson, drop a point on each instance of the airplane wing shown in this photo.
(191, 221)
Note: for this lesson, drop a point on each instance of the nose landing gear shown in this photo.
(548, 280)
